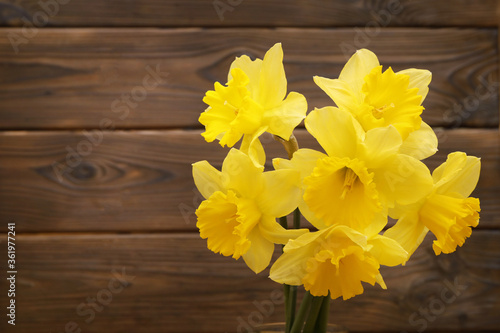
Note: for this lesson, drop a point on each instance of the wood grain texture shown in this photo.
(77, 78)
(172, 283)
(109, 216)
(169, 13)
(146, 176)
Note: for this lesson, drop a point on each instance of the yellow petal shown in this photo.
(323, 278)
(348, 235)
(281, 192)
(216, 221)
(252, 70)
(272, 84)
(252, 146)
(281, 163)
(387, 251)
(381, 282)
(341, 93)
(409, 232)
(379, 145)
(283, 119)
(341, 191)
(358, 66)
(260, 252)
(215, 124)
(450, 219)
(378, 223)
(403, 180)
(339, 265)
(248, 216)
(450, 168)
(334, 260)
(303, 160)
(317, 222)
(274, 232)
(289, 268)
(248, 117)
(228, 109)
(391, 102)
(459, 174)
(207, 179)
(226, 221)
(241, 175)
(230, 137)
(419, 78)
(421, 143)
(356, 269)
(336, 131)
(304, 241)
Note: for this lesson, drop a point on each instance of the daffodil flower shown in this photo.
(336, 260)
(447, 211)
(360, 176)
(381, 98)
(253, 102)
(238, 217)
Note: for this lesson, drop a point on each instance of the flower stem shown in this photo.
(301, 314)
(322, 322)
(287, 291)
(290, 314)
(288, 317)
(312, 318)
(296, 218)
(293, 305)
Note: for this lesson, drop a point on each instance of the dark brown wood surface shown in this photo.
(99, 186)
(230, 13)
(77, 78)
(173, 283)
(146, 176)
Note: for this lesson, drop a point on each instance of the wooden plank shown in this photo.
(173, 283)
(78, 78)
(146, 176)
(498, 20)
(249, 13)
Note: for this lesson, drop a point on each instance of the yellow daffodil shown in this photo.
(253, 102)
(371, 169)
(381, 98)
(360, 176)
(238, 217)
(336, 260)
(447, 211)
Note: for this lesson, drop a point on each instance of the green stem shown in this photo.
(288, 322)
(322, 322)
(299, 319)
(312, 318)
(293, 289)
(293, 302)
(287, 288)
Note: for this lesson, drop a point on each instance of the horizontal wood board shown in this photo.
(233, 13)
(126, 203)
(50, 182)
(87, 78)
(172, 283)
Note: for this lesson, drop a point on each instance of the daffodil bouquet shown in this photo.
(373, 140)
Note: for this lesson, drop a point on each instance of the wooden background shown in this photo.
(125, 202)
